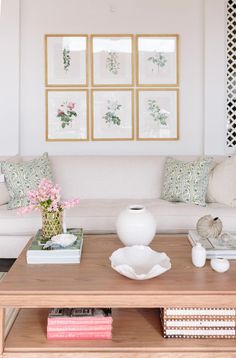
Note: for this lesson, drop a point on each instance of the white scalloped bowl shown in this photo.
(64, 240)
(139, 262)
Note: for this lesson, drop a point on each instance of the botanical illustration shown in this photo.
(158, 59)
(66, 59)
(67, 113)
(112, 62)
(158, 115)
(111, 115)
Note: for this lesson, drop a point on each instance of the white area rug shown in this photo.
(10, 313)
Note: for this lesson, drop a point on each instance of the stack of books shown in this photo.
(215, 247)
(79, 323)
(36, 254)
(198, 322)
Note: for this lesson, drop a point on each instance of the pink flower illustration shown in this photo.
(71, 105)
(67, 112)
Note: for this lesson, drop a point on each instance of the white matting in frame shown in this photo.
(112, 115)
(157, 114)
(157, 60)
(66, 60)
(66, 115)
(112, 60)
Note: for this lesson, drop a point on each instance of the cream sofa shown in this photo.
(106, 185)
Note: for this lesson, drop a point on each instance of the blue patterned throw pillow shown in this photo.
(25, 176)
(186, 181)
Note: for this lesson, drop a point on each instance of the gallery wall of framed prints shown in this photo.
(111, 87)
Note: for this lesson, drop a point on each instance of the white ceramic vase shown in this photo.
(136, 226)
(198, 255)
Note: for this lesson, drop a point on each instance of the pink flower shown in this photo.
(71, 105)
(47, 197)
(60, 112)
(69, 203)
(26, 209)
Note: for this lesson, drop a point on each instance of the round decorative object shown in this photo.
(64, 240)
(226, 236)
(139, 262)
(220, 265)
(52, 223)
(136, 226)
(207, 226)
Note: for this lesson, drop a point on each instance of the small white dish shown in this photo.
(139, 262)
(64, 240)
(220, 265)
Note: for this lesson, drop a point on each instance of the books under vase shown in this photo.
(215, 247)
(36, 254)
(198, 322)
(79, 324)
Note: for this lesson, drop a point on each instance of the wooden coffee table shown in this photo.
(136, 329)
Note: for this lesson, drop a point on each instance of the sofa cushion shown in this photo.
(186, 181)
(100, 216)
(22, 177)
(4, 195)
(222, 182)
(109, 177)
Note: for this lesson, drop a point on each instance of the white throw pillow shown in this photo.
(4, 195)
(222, 183)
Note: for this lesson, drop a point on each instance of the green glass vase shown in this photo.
(52, 223)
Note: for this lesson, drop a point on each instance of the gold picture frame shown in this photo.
(103, 131)
(66, 109)
(158, 64)
(108, 73)
(65, 72)
(161, 111)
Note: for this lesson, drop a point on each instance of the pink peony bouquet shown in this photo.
(47, 198)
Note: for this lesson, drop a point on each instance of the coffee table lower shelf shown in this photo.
(136, 334)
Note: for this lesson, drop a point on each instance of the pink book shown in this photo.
(87, 316)
(79, 335)
(79, 328)
(79, 320)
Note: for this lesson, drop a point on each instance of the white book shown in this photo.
(199, 312)
(53, 260)
(36, 247)
(200, 332)
(199, 323)
(215, 247)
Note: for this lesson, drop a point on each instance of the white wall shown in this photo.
(9, 77)
(184, 17)
(197, 51)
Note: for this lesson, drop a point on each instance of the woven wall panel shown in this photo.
(231, 75)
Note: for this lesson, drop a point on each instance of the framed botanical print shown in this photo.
(157, 114)
(157, 60)
(112, 60)
(66, 60)
(67, 115)
(112, 114)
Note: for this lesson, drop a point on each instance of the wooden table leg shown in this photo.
(2, 328)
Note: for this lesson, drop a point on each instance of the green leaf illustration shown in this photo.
(158, 59)
(158, 115)
(111, 116)
(66, 59)
(112, 62)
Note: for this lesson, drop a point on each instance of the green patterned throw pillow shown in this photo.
(186, 181)
(25, 176)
